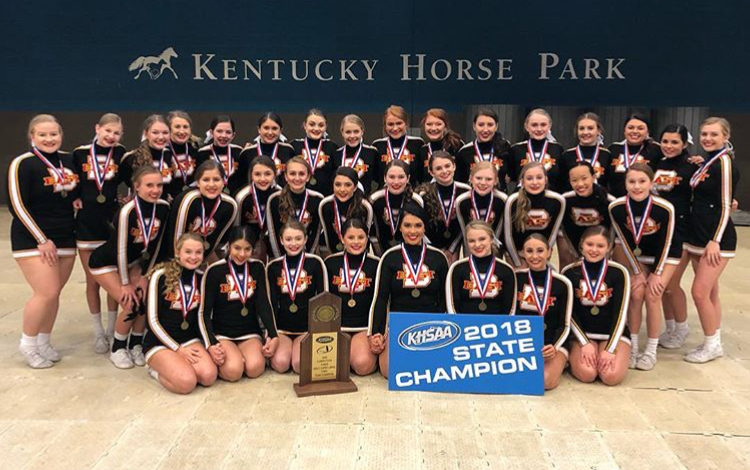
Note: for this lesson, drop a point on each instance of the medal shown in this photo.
(479, 156)
(532, 155)
(244, 311)
(184, 325)
(481, 280)
(313, 161)
(637, 229)
(594, 159)
(447, 213)
(160, 166)
(698, 175)
(542, 304)
(477, 212)
(413, 271)
(339, 247)
(185, 187)
(313, 181)
(301, 212)
(594, 288)
(293, 281)
(401, 151)
(100, 175)
(350, 282)
(206, 245)
(58, 172)
(393, 225)
(482, 306)
(64, 194)
(260, 209)
(185, 304)
(229, 167)
(147, 229)
(628, 160)
(206, 222)
(240, 284)
(355, 158)
(352, 303)
(182, 169)
(145, 256)
(447, 234)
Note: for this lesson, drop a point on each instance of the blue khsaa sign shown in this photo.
(466, 353)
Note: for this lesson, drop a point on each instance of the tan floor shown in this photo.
(85, 414)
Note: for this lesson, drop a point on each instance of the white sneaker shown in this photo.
(702, 354)
(675, 340)
(48, 352)
(101, 344)
(34, 359)
(646, 361)
(665, 336)
(633, 359)
(121, 359)
(153, 374)
(137, 355)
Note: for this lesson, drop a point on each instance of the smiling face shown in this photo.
(595, 248)
(395, 127)
(181, 130)
(293, 241)
(315, 126)
(211, 184)
(157, 136)
(581, 180)
(536, 253)
(638, 184)
(396, 180)
(190, 254)
(479, 241)
(484, 181)
(149, 187)
(47, 136)
(485, 128)
(434, 128)
(713, 137)
(223, 134)
(352, 134)
(109, 134)
(296, 176)
(343, 188)
(355, 241)
(412, 229)
(636, 132)
(262, 176)
(534, 180)
(269, 131)
(240, 251)
(672, 144)
(443, 170)
(538, 125)
(588, 132)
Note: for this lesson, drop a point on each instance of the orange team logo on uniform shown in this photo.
(602, 297)
(137, 233)
(197, 227)
(493, 289)
(89, 168)
(322, 159)
(618, 163)
(304, 282)
(69, 182)
(407, 157)
(280, 167)
(666, 180)
(586, 217)
(548, 161)
(651, 226)
(526, 298)
(362, 283)
(537, 219)
(425, 277)
(176, 304)
(229, 288)
(598, 170)
(361, 168)
(187, 164)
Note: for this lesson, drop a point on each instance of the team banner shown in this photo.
(466, 353)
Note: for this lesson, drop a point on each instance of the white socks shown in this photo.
(96, 318)
(670, 325)
(28, 342)
(681, 327)
(713, 341)
(42, 339)
(651, 345)
(634, 344)
(111, 320)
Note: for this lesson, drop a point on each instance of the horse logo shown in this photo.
(154, 66)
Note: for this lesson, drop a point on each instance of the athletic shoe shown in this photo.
(121, 359)
(48, 352)
(665, 336)
(703, 354)
(153, 374)
(633, 359)
(101, 344)
(675, 340)
(137, 355)
(646, 361)
(34, 359)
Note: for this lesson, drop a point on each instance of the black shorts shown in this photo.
(94, 226)
(24, 245)
(703, 226)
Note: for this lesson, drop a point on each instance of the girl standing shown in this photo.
(355, 154)
(269, 144)
(488, 146)
(252, 202)
(317, 151)
(638, 147)
(437, 129)
(184, 148)
(221, 150)
(540, 147)
(588, 131)
(396, 145)
(346, 202)
(153, 151)
(484, 202)
(388, 203)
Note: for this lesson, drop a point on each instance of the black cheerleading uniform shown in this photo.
(672, 182)
(464, 291)
(648, 152)
(94, 219)
(558, 314)
(306, 211)
(189, 211)
(603, 319)
(362, 159)
(125, 247)
(544, 217)
(520, 154)
(184, 164)
(160, 159)
(475, 152)
(387, 232)
(657, 233)
(354, 318)
(168, 326)
(425, 153)
(582, 212)
(229, 157)
(252, 204)
(440, 235)
(222, 304)
(333, 213)
(291, 315)
(396, 289)
(321, 178)
(391, 149)
(711, 213)
(279, 152)
(602, 164)
(472, 206)
(41, 204)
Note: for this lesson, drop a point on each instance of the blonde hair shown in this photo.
(172, 268)
(110, 118)
(41, 119)
(352, 119)
(287, 208)
(486, 228)
(483, 165)
(523, 204)
(723, 123)
(142, 155)
(541, 111)
(397, 111)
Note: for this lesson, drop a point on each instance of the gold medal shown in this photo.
(595, 310)
(352, 303)
(244, 311)
(185, 187)
(637, 251)
(482, 306)
(101, 198)
(185, 325)
(206, 245)
(415, 293)
(146, 255)
(447, 234)
(313, 181)
(293, 308)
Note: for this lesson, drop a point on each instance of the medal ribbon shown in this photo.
(273, 154)
(205, 222)
(594, 159)
(628, 159)
(146, 229)
(542, 305)
(301, 212)
(313, 161)
(447, 214)
(260, 209)
(186, 305)
(400, 151)
(337, 218)
(59, 172)
(99, 174)
(638, 228)
(594, 288)
(698, 175)
(486, 216)
(291, 282)
(479, 153)
(351, 282)
(176, 158)
(391, 223)
(240, 287)
(532, 155)
(355, 158)
(412, 269)
(229, 167)
(482, 285)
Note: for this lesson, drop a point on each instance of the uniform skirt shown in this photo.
(703, 226)
(94, 226)
(24, 245)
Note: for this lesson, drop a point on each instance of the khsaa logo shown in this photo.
(429, 335)
(154, 66)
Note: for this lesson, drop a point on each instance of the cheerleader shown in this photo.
(252, 203)
(488, 146)
(481, 283)
(268, 143)
(542, 291)
(220, 149)
(437, 130)
(293, 279)
(40, 187)
(294, 202)
(176, 332)
(484, 202)
(387, 204)
(205, 211)
(645, 225)
(351, 276)
(532, 209)
(396, 145)
(119, 265)
(346, 202)
(355, 154)
(317, 151)
(234, 302)
(439, 196)
(153, 151)
(588, 131)
(411, 277)
(97, 166)
(601, 347)
(183, 146)
(672, 182)
(637, 147)
(712, 240)
(587, 205)
(540, 147)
